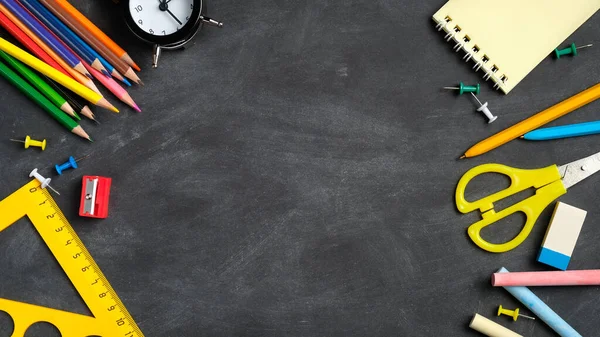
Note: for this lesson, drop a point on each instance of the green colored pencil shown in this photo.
(40, 85)
(42, 101)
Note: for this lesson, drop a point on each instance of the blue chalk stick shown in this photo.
(541, 310)
(554, 259)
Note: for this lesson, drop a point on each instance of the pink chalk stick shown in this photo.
(547, 278)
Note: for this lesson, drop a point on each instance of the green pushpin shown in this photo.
(465, 88)
(571, 50)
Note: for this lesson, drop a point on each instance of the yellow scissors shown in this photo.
(550, 183)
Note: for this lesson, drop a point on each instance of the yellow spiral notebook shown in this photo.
(508, 38)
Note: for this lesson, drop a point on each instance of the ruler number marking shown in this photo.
(112, 304)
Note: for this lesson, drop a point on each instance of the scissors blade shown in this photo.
(576, 171)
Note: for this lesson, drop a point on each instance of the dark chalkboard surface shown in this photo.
(293, 174)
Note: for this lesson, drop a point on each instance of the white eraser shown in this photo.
(561, 236)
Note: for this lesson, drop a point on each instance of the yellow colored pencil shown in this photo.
(56, 75)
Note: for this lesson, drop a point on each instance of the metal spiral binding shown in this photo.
(452, 33)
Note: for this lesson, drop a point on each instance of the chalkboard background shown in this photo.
(293, 174)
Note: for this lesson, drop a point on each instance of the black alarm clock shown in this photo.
(167, 24)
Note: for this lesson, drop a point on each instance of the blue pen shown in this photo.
(564, 131)
(72, 39)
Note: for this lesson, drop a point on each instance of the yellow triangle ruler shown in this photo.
(110, 318)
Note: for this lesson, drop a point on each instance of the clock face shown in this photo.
(161, 17)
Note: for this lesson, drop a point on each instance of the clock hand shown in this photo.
(163, 6)
(174, 17)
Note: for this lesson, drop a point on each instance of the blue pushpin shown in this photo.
(70, 164)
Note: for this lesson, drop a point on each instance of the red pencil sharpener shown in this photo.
(95, 192)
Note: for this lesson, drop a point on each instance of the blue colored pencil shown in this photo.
(564, 131)
(67, 34)
(45, 35)
(54, 25)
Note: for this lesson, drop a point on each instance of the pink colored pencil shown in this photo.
(113, 86)
(547, 278)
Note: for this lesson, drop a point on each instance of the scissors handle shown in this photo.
(547, 182)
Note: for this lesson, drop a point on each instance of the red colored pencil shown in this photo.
(29, 44)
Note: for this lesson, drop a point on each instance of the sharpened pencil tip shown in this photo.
(114, 109)
(136, 108)
(140, 83)
(127, 83)
(462, 157)
(91, 140)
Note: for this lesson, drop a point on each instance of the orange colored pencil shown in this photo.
(97, 33)
(75, 74)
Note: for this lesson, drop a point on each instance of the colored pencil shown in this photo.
(56, 75)
(57, 27)
(68, 34)
(97, 33)
(564, 131)
(114, 87)
(39, 84)
(79, 29)
(44, 34)
(29, 43)
(74, 74)
(42, 101)
(541, 118)
(84, 110)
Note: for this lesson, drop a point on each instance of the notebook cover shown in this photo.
(513, 35)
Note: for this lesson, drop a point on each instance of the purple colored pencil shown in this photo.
(45, 35)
